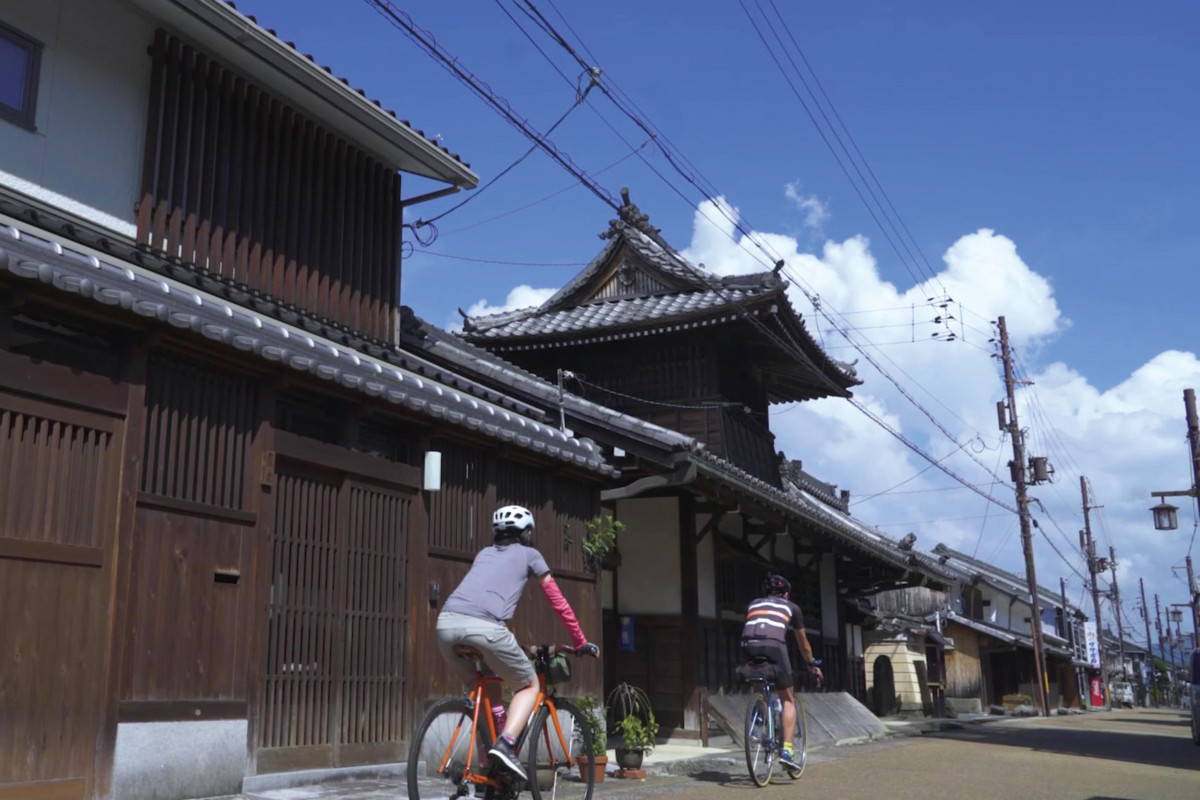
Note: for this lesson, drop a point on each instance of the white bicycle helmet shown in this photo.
(513, 522)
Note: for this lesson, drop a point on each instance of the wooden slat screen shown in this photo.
(238, 184)
(298, 701)
(574, 504)
(55, 479)
(199, 425)
(458, 519)
(517, 484)
(59, 486)
(376, 617)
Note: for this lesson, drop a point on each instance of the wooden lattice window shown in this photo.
(199, 426)
(243, 186)
(458, 517)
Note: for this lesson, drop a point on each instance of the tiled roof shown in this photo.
(630, 314)
(123, 284)
(1002, 580)
(250, 18)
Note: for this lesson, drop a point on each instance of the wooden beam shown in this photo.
(711, 525)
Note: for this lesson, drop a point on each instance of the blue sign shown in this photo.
(625, 634)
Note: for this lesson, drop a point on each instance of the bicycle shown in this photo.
(764, 725)
(451, 745)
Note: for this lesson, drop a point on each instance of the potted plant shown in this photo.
(629, 708)
(599, 539)
(597, 759)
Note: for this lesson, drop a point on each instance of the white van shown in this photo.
(1121, 694)
(1195, 678)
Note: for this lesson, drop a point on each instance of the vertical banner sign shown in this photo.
(626, 643)
(1093, 643)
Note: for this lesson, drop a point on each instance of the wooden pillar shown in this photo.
(133, 375)
(689, 610)
(260, 492)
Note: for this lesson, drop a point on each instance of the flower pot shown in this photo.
(630, 759)
(594, 763)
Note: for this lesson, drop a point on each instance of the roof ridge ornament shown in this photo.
(632, 216)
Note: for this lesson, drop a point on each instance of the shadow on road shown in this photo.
(733, 781)
(1172, 723)
(1151, 749)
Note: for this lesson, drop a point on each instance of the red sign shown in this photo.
(1097, 692)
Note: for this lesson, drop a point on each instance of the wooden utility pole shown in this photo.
(1194, 598)
(1116, 601)
(1089, 548)
(1149, 641)
(1018, 443)
(1162, 643)
(1193, 428)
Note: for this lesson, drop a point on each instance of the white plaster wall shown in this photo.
(607, 595)
(904, 671)
(649, 577)
(830, 628)
(169, 760)
(706, 561)
(86, 155)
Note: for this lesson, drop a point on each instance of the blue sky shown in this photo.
(1042, 159)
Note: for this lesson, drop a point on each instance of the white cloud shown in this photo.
(523, 296)
(1128, 440)
(816, 212)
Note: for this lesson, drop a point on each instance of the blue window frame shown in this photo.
(20, 62)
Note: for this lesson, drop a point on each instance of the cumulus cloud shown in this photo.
(816, 212)
(1127, 440)
(523, 296)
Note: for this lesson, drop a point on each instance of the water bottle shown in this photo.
(777, 707)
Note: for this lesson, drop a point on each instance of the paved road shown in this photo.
(1132, 755)
(1139, 754)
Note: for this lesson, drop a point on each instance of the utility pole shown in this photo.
(1149, 641)
(1162, 650)
(1116, 600)
(1194, 597)
(1089, 548)
(1018, 443)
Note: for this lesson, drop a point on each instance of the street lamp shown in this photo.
(1165, 514)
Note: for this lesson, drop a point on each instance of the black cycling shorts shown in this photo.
(773, 651)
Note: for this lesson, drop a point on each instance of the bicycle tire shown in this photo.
(553, 773)
(760, 758)
(799, 741)
(434, 741)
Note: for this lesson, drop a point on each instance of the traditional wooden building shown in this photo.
(690, 364)
(224, 534)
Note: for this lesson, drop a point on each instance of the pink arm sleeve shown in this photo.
(561, 607)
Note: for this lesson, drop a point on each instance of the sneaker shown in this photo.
(506, 754)
(788, 759)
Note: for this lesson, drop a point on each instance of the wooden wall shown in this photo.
(964, 676)
(244, 187)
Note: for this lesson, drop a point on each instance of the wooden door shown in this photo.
(337, 623)
(59, 482)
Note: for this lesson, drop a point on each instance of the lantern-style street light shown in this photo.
(1166, 516)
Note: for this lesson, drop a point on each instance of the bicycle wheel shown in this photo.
(438, 757)
(553, 752)
(799, 741)
(760, 755)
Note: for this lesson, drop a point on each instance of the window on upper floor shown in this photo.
(20, 58)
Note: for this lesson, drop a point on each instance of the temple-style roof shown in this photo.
(640, 286)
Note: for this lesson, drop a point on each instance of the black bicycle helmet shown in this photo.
(777, 584)
(513, 522)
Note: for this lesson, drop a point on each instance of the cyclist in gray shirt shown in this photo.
(478, 610)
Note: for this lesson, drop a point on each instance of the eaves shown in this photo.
(136, 290)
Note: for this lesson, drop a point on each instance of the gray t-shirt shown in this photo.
(495, 581)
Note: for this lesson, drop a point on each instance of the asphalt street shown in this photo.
(1139, 754)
